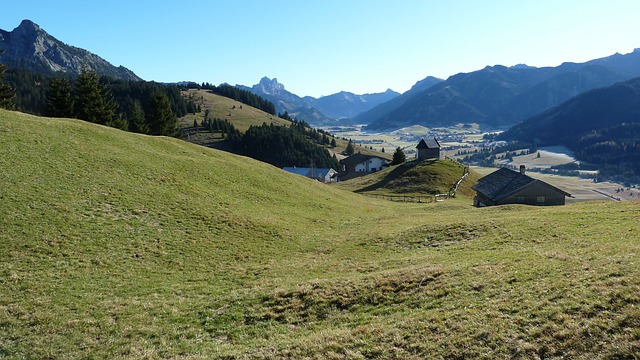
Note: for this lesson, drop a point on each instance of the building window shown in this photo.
(521, 199)
(541, 199)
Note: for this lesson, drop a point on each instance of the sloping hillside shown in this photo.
(602, 126)
(242, 117)
(117, 245)
(415, 178)
(500, 96)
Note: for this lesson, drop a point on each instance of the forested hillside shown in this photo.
(499, 96)
(136, 106)
(602, 126)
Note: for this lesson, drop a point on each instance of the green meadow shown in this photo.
(120, 245)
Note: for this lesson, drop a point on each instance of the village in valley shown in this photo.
(459, 141)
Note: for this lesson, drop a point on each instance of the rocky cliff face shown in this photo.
(31, 47)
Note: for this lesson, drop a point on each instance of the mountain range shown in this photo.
(601, 126)
(496, 96)
(29, 46)
(326, 110)
(499, 96)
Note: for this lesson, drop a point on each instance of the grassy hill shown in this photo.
(242, 117)
(415, 178)
(118, 245)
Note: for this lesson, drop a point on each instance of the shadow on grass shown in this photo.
(394, 174)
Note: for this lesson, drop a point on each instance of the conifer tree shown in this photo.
(398, 157)
(350, 149)
(94, 101)
(137, 121)
(119, 122)
(59, 100)
(160, 118)
(6, 91)
(88, 97)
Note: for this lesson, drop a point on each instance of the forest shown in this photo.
(138, 106)
(295, 145)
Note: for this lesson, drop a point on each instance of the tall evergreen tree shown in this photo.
(88, 97)
(350, 149)
(398, 157)
(160, 118)
(94, 101)
(6, 91)
(137, 121)
(59, 100)
(119, 122)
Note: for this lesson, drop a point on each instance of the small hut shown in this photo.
(428, 149)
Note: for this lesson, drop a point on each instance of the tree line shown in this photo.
(283, 146)
(139, 106)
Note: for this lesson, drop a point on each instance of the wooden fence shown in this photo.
(423, 198)
(405, 198)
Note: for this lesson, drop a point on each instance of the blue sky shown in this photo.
(319, 48)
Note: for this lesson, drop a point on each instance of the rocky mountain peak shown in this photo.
(31, 47)
(269, 86)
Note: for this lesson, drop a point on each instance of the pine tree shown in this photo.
(94, 101)
(119, 122)
(333, 143)
(398, 157)
(6, 91)
(350, 149)
(137, 122)
(88, 97)
(59, 100)
(160, 118)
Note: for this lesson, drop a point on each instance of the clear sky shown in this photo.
(320, 47)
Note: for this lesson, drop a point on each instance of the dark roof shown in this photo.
(431, 143)
(359, 158)
(504, 182)
(309, 172)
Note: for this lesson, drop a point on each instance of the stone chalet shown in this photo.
(428, 149)
(506, 186)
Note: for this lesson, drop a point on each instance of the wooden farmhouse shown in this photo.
(506, 186)
(325, 175)
(428, 149)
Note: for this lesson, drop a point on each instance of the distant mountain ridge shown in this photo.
(602, 126)
(499, 96)
(327, 110)
(31, 47)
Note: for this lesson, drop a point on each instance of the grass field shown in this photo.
(117, 245)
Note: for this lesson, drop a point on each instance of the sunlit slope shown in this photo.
(242, 116)
(95, 220)
(416, 178)
(117, 245)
